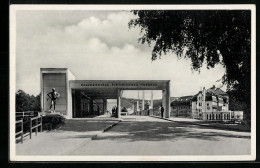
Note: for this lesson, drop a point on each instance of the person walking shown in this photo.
(162, 110)
(113, 111)
(53, 96)
(116, 112)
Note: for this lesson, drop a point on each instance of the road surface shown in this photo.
(143, 135)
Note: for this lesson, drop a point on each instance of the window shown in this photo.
(207, 116)
(207, 104)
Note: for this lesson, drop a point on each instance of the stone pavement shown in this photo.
(64, 140)
(135, 135)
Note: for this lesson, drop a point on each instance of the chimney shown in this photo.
(204, 93)
(214, 87)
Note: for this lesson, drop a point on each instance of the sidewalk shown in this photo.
(64, 140)
(232, 127)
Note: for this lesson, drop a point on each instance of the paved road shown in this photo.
(152, 136)
(62, 141)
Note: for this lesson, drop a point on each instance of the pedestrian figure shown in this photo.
(116, 112)
(113, 111)
(162, 110)
(53, 96)
(98, 110)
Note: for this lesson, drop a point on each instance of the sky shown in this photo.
(98, 45)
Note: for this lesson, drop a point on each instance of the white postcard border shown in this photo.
(12, 71)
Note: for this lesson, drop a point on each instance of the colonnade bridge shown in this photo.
(76, 95)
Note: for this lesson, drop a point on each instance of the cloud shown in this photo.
(97, 46)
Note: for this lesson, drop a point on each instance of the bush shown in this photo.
(54, 120)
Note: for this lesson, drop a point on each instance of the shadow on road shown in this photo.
(161, 131)
(84, 125)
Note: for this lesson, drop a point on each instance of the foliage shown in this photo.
(203, 36)
(236, 105)
(26, 102)
(54, 120)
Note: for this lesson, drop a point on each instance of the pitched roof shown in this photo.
(194, 98)
(213, 94)
(216, 91)
(220, 92)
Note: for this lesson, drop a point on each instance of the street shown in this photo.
(143, 135)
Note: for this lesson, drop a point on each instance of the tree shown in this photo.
(204, 36)
(21, 101)
(26, 102)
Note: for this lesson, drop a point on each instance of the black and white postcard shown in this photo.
(132, 83)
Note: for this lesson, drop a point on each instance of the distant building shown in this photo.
(237, 115)
(181, 107)
(211, 104)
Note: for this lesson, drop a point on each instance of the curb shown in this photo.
(111, 126)
(162, 118)
(105, 130)
(203, 125)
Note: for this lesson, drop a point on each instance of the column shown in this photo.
(163, 102)
(91, 106)
(137, 103)
(70, 105)
(143, 101)
(104, 106)
(151, 99)
(42, 93)
(137, 106)
(119, 103)
(166, 100)
(73, 103)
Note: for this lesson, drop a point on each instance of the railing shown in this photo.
(25, 114)
(37, 124)
(20, 132)
(148, 112)
(29, 122)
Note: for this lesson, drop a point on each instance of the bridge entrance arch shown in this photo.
(73, 91)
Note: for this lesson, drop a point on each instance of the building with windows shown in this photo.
(211, 104)
(181, 107)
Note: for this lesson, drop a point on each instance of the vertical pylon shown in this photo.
(151, 99)
(143, 101)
